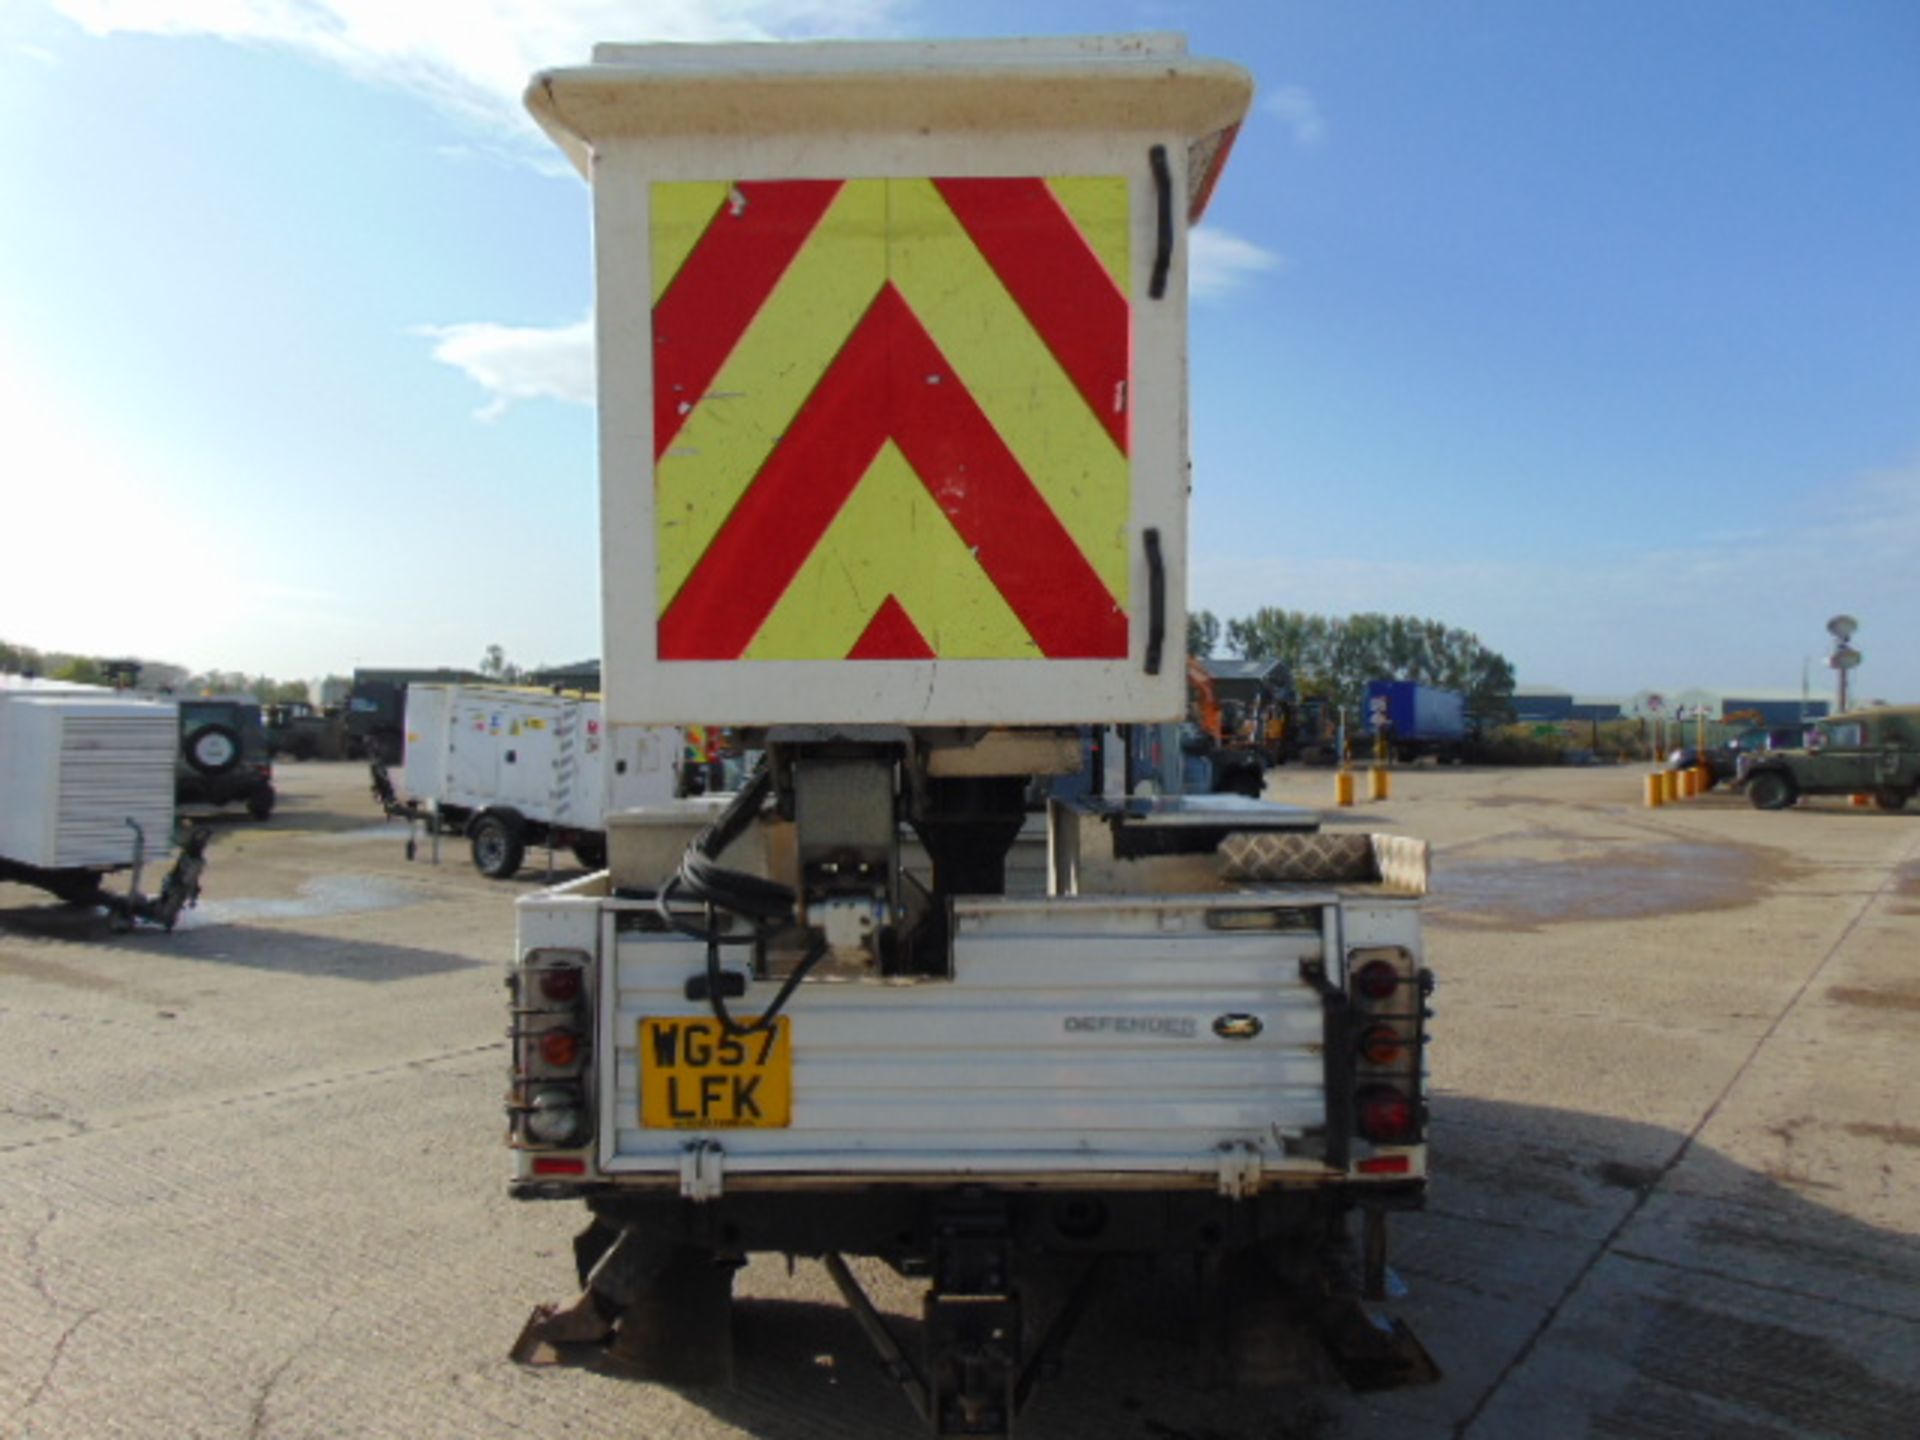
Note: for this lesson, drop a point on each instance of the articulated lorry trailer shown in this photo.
(1412, 720)
(892, 369)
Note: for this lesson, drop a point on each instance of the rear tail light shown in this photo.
(1381, 1045)
(549, 1103)
(1377, 980)
(560, 984)
(1387, 1115)
(557, 1117)
(1388, 992)
(560, 1048)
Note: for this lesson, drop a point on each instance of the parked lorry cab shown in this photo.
(1860, 752)
(301, 731)
(87, 791)
(377, 709)
(510, 767)
(892, 370)
(1415, 720)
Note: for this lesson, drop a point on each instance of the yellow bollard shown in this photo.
(1378, 786)
(1689, 783)
(1343, 787)
(1704, 777)
(1669, 787)
(1656, 792)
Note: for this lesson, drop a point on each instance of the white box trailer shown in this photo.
(87, 789)
(512, 767)
(77, 763)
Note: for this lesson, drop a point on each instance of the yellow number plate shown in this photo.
(694, 1076)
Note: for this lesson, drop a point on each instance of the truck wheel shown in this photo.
(213, 749)
(1770, 790)
(260, 802)
(498, 846)
(1890, 797)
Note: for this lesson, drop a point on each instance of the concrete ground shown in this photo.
(251, 1179)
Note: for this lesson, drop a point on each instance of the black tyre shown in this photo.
(260, 802)
(213, 749)
(1770, 790)
(498, 846)
(591, 851)
(1890, 797)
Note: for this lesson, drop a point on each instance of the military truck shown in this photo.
(224, 756)
(1860, 752)
(377, 709)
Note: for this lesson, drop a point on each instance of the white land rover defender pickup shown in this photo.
(894, 483)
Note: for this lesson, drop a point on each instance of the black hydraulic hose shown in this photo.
(765, 1020)
(765, 904)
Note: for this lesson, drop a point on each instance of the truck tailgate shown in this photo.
(1076, 1037)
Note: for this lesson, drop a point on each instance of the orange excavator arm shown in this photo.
(1202, 703)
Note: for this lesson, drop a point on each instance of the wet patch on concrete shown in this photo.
(1878, 997)
(1617, 884)
(1626, 1177)
(319, 898)
(389, 830)
(1893, 1134)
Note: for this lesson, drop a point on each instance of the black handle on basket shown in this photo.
(1163, 242)
(1156, 600)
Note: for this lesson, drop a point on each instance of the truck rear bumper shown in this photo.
(902, 1224)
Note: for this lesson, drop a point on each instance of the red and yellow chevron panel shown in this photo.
(892, 418)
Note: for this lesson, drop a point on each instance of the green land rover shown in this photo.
(1862, 752)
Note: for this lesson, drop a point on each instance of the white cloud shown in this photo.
(473, 57)
(1296, 108)
(1219, 262)
(516, 362)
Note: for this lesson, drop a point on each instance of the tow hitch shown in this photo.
(179, 890)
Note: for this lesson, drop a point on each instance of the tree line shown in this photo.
(1334, 657)
(153, 675)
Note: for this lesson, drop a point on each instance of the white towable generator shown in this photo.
(510, 767)
(892, 358)
(87, 791)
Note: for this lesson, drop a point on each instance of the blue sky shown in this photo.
(1593, 328)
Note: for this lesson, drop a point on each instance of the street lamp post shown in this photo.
(1844, 658)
